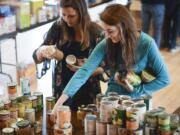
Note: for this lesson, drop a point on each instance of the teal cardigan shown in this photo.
(147, 56)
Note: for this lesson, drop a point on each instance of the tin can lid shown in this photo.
(4, 112)
(30, 110)
(37, 93)
(32, 98)
(50, 98)
(63, 108)
(23, 123)
(11, 84)
(7, 130)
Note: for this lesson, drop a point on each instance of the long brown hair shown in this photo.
(118, 15)
(84, 20)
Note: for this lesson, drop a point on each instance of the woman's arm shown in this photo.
(159, 69)
(82, 75)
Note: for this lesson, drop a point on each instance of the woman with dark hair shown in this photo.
(73, 34)
(125, 48)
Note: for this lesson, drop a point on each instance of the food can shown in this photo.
(12, 90)
(106, 109)
(123, 97)
(164, 119)
(14, 112)
(50, 102)
(101, 127)
(23, 128)
(141, 107)
(148, 101)
(120, 116)
(90, 124)
(40, 100)
(7, 104)
(34, 101)
(4, 117)
(62, 131)
(127, 103)
(112, 129)
(63, 116)
(7, 131)
(49, 122)
(132, 124)
(28, 104)
(21, 108)
(25, 86)
(114, 100)
(98, 99)
(30, 115)
(112, 94)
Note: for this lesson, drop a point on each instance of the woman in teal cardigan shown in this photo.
(125, 48)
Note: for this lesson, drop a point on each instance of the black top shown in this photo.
(153, 1)
(62, 74)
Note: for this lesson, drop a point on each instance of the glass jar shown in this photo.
(23, 128)
(7, 131)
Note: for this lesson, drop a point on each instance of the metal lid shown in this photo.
(32, 98)
(4, 112)
(23, 123)
(37, 93)
(11, 84)
(50, 98)
(29, 110)
(7, 130)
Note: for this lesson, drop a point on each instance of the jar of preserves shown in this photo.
(23, 128)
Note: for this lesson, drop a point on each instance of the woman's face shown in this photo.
(111, 32)
(70, 16)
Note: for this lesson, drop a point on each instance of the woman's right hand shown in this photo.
(45, 52)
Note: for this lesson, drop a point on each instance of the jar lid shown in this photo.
(63, 108)
(4, 112)
(37, 93)
(50, 98)
(12, 84)
(30, 110)
(23, 123)
(32, 98)
(8, 130)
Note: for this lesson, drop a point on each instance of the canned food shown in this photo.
(50, 102)
(25, 85)
(132, 124)
(49, 122)
(164, 119)
(40, 100)
(34, 101)
(30, 115)
(90, 124)
(120, 118)
(112, 129)
(28, 104)
(14, 112)
(7, 131)
(113, 100)
(4, 117)
(106, 109)
(127, 103)
(21, 108)
(148, 101)
(62, 131)
(123, 97)
(7, 104)
(23, 127)
(101, 127)
(12, 90)
(98, 99)
(141, 107)
(112, 94)
(63, 116)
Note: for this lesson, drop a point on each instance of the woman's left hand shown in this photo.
(73, 68)
(123, 83)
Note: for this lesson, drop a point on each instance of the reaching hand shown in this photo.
(123, 82)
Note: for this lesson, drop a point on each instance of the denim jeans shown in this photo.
(154, 13)
(171, 28)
